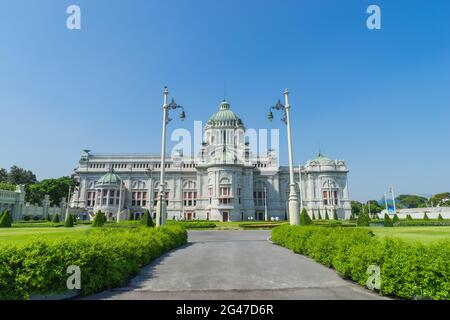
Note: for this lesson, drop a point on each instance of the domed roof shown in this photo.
(224, 115)
(321, 158)
(108, 179)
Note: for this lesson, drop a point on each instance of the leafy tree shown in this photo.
(440, 217)
(395, 219)
(305, 220)
(439, 199)
(425, 216)
(18, 175)
(375, 207)
(70, 221)
(55, 188)
(3, 175)
(55, 218)
(7, 186)
(99, 219)
(411, 201)
(356, 207)
(6, 219)
(147, 220)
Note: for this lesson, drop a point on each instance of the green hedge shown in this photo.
(192, 224)
(106, 257)
(423, 223)
(261, 225)
(37, 224)
(413, 271)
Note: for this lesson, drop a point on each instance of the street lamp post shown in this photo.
(149, 172)
(161, 210)
(293, 200)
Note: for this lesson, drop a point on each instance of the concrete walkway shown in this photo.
(236, 265)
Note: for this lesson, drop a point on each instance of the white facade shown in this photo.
(225, 182)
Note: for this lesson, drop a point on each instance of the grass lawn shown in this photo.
(414, 234)
(17, 235)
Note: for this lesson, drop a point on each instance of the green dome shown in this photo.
(108, 179)
(224, 115)
(321, 158)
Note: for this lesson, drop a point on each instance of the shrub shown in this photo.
(440, 217)
(107, 258)
(305, 220)
(425, 217)
(99, 219)
(319, 216)
(313, 216)
(192, 224)
(55, 218)
(26, 218)
(326, 215)
(36, 218)
(424, 223)
(408, 217)
(147, 220)
(352, 217)
(387, 221)
(335, 217)
(413, 271)
(5, 219)
(363, 220)
(395, 219)
(70, 221)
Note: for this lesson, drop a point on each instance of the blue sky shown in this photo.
(378, 99)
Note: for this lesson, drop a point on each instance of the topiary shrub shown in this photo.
(69, 223)
(363, 220)
(319, 215)
(425, 217)
(99, 219)
(305, 220)
(440, 217)
(395, 219)
(147, 220)
(55, 218)
(326, 215)
(387, 221)
(26, 218)
(408, 217)
(352, 217)
(5, 219)
(313, 216)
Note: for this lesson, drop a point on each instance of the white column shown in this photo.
(293, 202)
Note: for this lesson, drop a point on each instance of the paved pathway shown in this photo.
(235, 265)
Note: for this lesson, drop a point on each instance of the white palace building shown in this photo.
(225, 182)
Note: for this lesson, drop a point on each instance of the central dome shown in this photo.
(108, 179)
(224, 117)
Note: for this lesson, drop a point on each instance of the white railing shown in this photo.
(8, 196)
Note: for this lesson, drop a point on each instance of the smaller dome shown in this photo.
(108, 179)
(321, 158)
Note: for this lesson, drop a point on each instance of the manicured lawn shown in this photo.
(18, 235)
(414, 234)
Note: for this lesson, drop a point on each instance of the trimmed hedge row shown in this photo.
(192, 224)
(423, 223)
(412, 271)
(106, 257)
